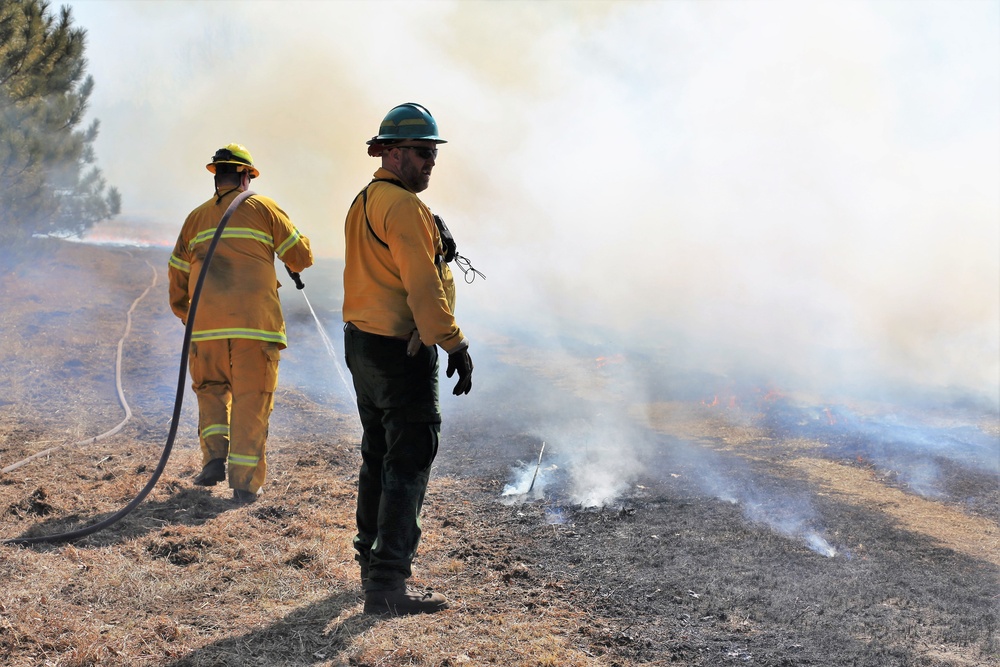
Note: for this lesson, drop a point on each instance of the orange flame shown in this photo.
(613, 359)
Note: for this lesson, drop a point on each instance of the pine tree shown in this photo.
(48, 180)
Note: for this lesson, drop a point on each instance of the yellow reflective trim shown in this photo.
(215, 429)
(179, 264)
(241, 460)
(233, 233)
(251, 334)
(289, 242)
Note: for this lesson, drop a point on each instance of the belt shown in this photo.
(351, 326)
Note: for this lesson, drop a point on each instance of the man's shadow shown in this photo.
(299, 639)
(187, 507)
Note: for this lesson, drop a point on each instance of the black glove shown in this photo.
(461, 361)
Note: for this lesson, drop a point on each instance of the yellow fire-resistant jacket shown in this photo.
(239, 298)
(393, 290)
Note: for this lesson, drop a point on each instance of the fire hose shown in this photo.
(178, 402)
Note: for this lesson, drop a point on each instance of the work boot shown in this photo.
(244, 497)
(403, 601)
(213, 473)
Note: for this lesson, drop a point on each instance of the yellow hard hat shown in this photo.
(234, 154)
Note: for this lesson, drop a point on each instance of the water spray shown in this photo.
(299, 285)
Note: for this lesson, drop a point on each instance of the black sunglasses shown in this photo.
(422, 152)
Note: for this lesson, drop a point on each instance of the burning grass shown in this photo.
(698, 562)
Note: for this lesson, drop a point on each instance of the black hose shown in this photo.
(178, 402)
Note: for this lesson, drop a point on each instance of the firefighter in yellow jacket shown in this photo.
(399, 305)
(238, 330)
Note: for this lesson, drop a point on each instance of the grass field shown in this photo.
(695, 522)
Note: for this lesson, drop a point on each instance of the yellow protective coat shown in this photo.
(240, 295)
(392, 291)
(239, 328)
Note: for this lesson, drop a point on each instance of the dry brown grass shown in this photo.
(190, 579)
(273, 583)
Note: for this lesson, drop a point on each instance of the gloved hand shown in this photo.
(460, 361)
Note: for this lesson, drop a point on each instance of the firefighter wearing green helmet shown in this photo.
(399, 305)
(406, 121)
(239, 329)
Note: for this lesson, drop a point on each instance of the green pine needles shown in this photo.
(48, 179)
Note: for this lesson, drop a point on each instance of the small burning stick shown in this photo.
(537, 466)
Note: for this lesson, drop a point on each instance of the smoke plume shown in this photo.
(805, 193)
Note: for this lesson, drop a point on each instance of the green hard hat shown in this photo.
(407, 121)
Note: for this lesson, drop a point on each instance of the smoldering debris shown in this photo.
(528, 475)
(523, 488)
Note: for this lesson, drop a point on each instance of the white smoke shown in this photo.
(803, 191)
(771, 180)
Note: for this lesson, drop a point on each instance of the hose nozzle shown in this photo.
(298, 280)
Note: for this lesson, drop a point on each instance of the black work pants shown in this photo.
(401, 417)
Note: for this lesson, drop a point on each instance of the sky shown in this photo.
(811, 188)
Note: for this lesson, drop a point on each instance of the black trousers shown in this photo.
(401, 417)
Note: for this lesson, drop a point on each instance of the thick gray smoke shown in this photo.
(805, 193)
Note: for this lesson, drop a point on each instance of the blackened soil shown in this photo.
(706, 558)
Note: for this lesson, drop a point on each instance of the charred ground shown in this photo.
(695, 563)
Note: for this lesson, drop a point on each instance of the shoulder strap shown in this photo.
(364, 196)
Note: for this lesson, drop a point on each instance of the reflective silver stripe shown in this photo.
(289, 242)
(215, 429)
(252, 334)
(233, 233)
(179, 264)
(241, 460)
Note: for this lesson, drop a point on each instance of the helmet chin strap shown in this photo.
(243, 186)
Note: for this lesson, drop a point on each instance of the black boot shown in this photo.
(213, 473)
(244, 497)
(403, 601)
